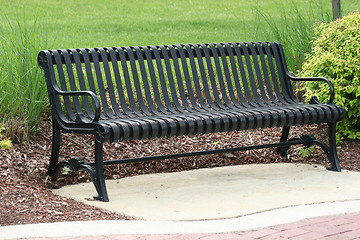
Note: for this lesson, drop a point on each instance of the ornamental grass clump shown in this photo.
(22, 88)
(336, 55)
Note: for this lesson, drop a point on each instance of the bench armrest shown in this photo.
(314, 99)
(95, 99)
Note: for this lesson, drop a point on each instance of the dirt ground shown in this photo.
(26, 191)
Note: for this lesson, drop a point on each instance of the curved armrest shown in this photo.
(314, 99)
(95, 99)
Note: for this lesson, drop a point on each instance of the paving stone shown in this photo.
(324, 228)
(261, 233)
(308, 236)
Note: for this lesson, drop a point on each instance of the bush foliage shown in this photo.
(5, 143)
(336, 55)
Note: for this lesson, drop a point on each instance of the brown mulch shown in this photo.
(26, 194)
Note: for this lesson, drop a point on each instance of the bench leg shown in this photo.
(284, 137)
(75, 164)
(333, 154)
(55, 148)
(99, 179)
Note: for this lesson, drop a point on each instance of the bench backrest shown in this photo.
(146, 80)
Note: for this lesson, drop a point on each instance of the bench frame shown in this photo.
(96, 169)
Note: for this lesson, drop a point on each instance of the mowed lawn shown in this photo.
(92, 23)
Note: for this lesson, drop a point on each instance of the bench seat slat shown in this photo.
(212, 121)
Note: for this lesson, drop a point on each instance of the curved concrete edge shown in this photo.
(239, 224)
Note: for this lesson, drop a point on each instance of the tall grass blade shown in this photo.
(294, 29)
(23, 92)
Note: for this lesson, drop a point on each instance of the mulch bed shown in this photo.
(26, 192)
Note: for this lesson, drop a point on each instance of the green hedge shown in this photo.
(336, 55)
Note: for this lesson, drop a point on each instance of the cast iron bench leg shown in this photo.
(284, 137)
(99, 179)
(55, 148)
(333, 154)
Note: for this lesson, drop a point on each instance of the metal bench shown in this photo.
(145, 92)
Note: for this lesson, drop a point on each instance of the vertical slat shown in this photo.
(185, 70)
(213, 88)
(119, 87)
(205, 86)
(73, 87)
(145, 81)
(128, 86)
(278, 100)
(259, 75)
(239, 91)
(170, 79)
(219, 74)
(282, 77)
(163, 85)
(274, 79)
(63, 84)
(158, 100)
(110, 86)
(51, 83)
(100, 82)
(85, 54)
(180, 80)
(251, 79)
(225, 64)
(242, 68)
(137, 84)
(196, 79)
(172, 126)
(81, 80)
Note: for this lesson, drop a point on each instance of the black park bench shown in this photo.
(146, 92)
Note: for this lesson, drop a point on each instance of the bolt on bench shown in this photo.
(145, 92)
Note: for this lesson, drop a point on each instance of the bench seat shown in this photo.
(211, 121)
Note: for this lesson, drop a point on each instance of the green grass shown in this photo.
(31, 25)
(112, 22)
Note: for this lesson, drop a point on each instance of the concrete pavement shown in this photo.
(221, 193)
(206, 202)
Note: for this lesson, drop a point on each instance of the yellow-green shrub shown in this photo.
(5, 143)
(336, 55)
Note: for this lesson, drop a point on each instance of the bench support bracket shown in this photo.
(96, 174)
(96, 169)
